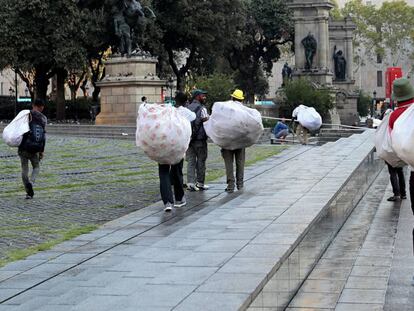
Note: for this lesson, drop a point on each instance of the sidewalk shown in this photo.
(215, 254)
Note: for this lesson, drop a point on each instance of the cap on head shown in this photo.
(238, 94)
(39, 102)
(197, 92)
(402, 90)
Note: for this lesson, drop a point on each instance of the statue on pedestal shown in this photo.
(286, 74)
(339, 64)
(125, 15)
(310, 45)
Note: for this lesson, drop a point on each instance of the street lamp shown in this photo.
(170, 85)
(374, 101)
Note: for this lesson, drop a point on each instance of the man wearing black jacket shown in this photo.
(26, 155)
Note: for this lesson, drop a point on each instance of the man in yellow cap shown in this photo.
(230, 155)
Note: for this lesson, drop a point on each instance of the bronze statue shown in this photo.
(125, 16)
(310, 45)
(286, 74)
(339, 64)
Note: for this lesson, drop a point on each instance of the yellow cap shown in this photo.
(238, 94)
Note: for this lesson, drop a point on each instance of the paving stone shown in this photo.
(212, 302)
(371, 296)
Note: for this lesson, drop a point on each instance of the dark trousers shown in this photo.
(171, 174)
(229, 156)
(196, 157)
(397, 180)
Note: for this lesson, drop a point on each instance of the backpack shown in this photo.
(34, 140)
(195, 124)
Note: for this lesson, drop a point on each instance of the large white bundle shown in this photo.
(233, 126)
(310, 118)
(163, 133)
(384, 146)
(13, 133)
(402, 136)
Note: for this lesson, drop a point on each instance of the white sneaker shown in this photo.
(168, 207)
(202, 186)
(192, 187)
(181, 203)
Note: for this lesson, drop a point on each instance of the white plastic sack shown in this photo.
(13, 133)
(163, 133)
(384, 146)
(402, 136)
(310, 118)
(233, 126)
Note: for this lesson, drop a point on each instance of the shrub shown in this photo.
(302, 91)
(363, 104)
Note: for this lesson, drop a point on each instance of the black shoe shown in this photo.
(30, 191)
(229, 190)
(393, 198)
(403, 197)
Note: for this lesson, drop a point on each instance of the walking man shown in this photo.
(237, 155)
(404, 95)
(301, 131)
(197, 151)
(173, 174)
(32, 146)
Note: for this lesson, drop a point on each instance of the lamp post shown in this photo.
(374, 101)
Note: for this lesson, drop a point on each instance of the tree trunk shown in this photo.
(41, 82)
(61, 75)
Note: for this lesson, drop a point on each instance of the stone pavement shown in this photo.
(215, 254)
(83, 182)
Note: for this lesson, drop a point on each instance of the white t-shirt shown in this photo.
(186, 113)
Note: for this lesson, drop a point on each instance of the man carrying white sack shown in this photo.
(238, 155)
(301, 132)
(173, 174)
(404, 95)
(197, 151)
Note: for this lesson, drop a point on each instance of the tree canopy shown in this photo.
(40, 36)
(385, 31)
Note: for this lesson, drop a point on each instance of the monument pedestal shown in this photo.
(127, 80)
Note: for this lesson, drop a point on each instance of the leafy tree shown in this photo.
(41, 37)
(302, 91)
(193, 32)
(268, 26)
(219, 87)
(384, 31)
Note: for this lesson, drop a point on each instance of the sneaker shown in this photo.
(192, 187)
(393, 198)
(403, 197)
(181, 203)
(28, 197)
(168, 207)
(30, 191)
(229, 190)
(202, 186)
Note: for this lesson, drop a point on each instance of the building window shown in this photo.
(379, 78)
(379, 59)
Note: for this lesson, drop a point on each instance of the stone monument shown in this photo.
(127, 80)
(323, 53)
(129, 75)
